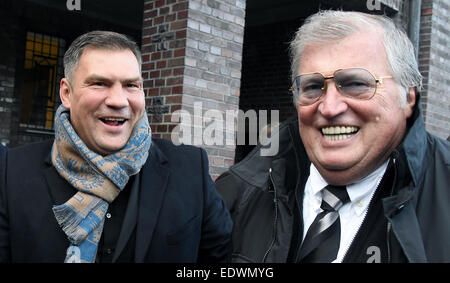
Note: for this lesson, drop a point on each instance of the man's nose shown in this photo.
(332, 103)
(117, 96)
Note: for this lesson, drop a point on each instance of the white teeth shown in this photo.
(337, 130)
(337, 137)
(114, 119)
(336, 133)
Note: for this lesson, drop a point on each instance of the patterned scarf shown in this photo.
(98, 180)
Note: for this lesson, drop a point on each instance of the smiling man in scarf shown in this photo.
(104, 190)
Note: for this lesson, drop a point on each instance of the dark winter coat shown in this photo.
(264, 195)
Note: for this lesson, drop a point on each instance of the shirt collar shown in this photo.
(360, 193)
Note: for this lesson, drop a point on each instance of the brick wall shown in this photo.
(8, 101)
(163, 49)
(213, 67)
(434, 65)
(192, 52)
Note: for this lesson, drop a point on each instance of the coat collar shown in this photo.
(414, 144)
(254, 168)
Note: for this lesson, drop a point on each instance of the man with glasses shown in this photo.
(357, 178)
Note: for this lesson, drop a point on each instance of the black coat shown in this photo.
(178, 215)
(264, 194)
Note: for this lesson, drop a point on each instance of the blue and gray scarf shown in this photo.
(98, 180)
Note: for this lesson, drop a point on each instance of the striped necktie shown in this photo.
(322, 240)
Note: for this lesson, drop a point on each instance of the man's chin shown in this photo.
(336, 164)
(110, 148)
(338, 173)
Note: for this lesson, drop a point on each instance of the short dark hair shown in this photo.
(97, 39)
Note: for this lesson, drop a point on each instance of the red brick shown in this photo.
(178, 71)
(178, 25)
(161, 64)
(153, 92)
(180, 34)
(160, 82)
(164, 11)
(148, 83)
(175, 81)
(156, 56)
(146, 40)
(166, 73)
(179, 52)
(180, 6)
(159, 20)
(148, 22)
(167, 118)
(149, 31)
(173, 99)
(160, 3)
(177, 90)
(161, 128)
(182, 15)
(165, 91)
(148, 66)
(148, 48)
(427, 12)
(148, 6)
(150, 14)
(171, 18)
(175, 107)
(155, 74)
(172, 126)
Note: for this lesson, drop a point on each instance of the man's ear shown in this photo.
(410, 101)
(65, 92)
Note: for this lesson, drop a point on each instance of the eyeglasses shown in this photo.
(357, 83)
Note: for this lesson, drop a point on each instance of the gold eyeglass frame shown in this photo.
(378, 80)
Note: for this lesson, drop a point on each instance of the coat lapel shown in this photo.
(153, 183)
(60, 190)
(130, 218)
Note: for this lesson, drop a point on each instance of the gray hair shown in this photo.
(97, 39)
(326, 26)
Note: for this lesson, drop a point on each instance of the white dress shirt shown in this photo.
(351, 214)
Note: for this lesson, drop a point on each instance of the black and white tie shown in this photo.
(322, 240)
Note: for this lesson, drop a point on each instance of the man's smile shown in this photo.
(113, 121)
(336, 133)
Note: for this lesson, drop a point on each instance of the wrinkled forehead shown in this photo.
(362, 49)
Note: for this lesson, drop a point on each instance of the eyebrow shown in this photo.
(95, 77)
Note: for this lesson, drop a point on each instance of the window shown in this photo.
(42, 72)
